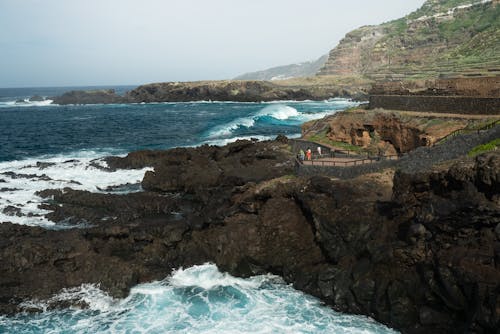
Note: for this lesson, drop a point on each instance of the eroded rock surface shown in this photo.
(419, 252)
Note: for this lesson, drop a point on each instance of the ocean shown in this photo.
(45, 146)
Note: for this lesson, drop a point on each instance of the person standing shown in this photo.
(302, 155)
(319, 151)
(308, 154)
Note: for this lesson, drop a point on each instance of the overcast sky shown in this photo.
(112, 42)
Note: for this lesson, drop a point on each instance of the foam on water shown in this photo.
(21, 179)
(199, 299)
(27, 103)
(277, 112)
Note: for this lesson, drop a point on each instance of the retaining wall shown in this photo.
(440, 104)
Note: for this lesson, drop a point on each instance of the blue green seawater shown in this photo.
(58, 146)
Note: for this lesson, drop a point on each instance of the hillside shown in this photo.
(442, 38)
(305, 69)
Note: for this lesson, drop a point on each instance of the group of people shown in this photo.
(308, 154)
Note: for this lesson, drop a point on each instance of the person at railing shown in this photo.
(309, 154)
(319, 151)
(302, 155)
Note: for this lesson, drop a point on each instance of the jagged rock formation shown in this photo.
(443, 37)
(420, 253)
(243, 91)
(232, 90)
(88, 97)
(305, 69)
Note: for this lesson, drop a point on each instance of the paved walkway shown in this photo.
(345, 161)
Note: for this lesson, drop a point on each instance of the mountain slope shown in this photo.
(287, 71)
(442, 38)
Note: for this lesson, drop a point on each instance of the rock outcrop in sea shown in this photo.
(232, 90)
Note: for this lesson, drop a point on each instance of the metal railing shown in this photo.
(465, 130)
(355, 162)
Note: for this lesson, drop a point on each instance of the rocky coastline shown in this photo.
(232, 90)
(417, 249)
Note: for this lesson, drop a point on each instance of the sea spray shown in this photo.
(55, 147)
(199, 299)
(21, 180)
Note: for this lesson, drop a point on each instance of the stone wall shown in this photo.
(441, 104)
(470, 87)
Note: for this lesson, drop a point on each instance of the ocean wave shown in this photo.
(27, 103)
(282, 113)
(279, 112)
(197, 300)
(225, 141)
(21, 179)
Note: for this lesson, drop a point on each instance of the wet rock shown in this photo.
(344, 241)
(14, 176)
(44, 165)
(12, 211)
(36, 98)
(88, 97)
(282, 139)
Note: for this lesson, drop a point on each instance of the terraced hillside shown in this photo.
(446, 38)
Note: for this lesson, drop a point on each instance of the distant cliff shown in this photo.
(442, 38)
(305, 69)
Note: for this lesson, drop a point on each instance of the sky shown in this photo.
(46, 43)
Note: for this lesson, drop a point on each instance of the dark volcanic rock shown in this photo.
(88, 97)
(421, 254)
(243, 91)
(36, 98)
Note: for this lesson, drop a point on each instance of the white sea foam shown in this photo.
(228, 128)
(207, 276)
(27, 103)
(281, 112)
(90, 294)
(21, 179)
(225, 141)
(278, 111)
(195, 300)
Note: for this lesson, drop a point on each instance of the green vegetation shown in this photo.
(439, 6)
(322, 138)
(464, 43)
(434, 122)
(397, 28)
(479, 125)
(491, 146)
(473, 21)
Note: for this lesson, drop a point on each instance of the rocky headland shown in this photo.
(231, 90)
(415, 248)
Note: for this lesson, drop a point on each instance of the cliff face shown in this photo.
(387, 133)
(304, 69)
(443, 37)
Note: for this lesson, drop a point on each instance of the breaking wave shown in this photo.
(199, 299)
(85, 170)
(27, 103)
